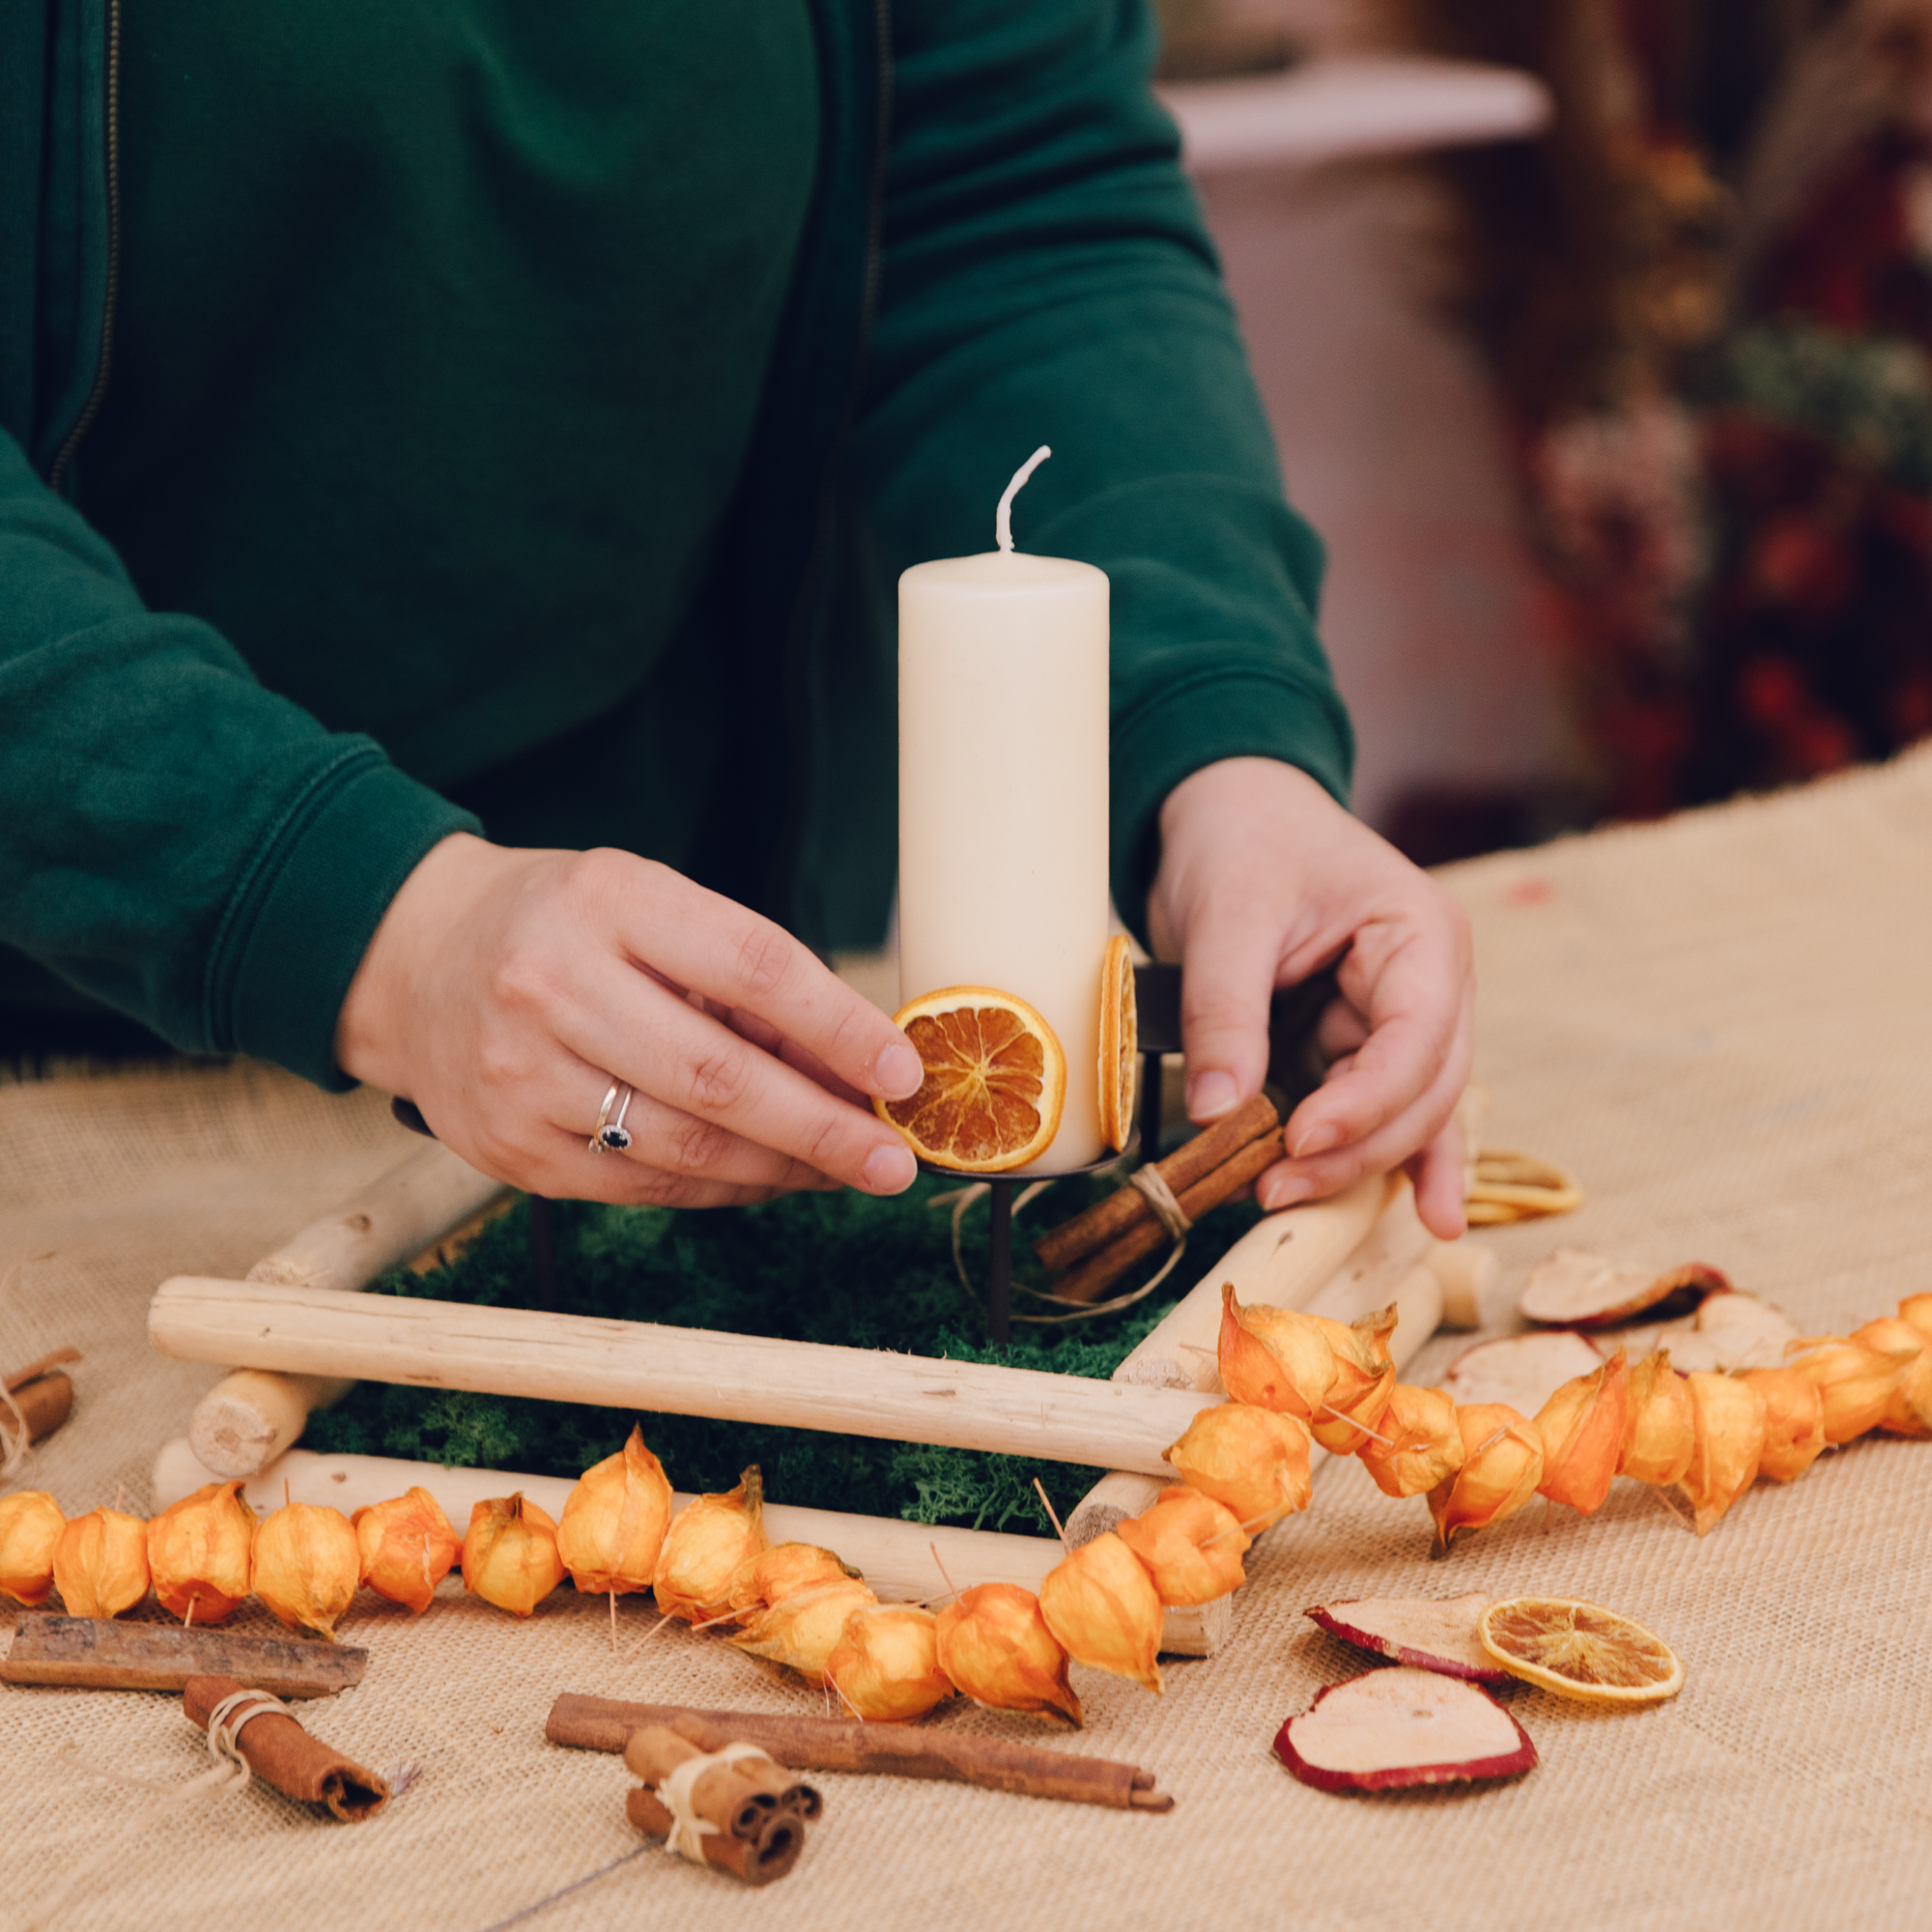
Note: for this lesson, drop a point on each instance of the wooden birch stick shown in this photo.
(248, 1419)
(639, 1365)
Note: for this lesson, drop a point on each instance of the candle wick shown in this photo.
(1003, 522)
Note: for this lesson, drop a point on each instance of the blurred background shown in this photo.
(1596, 337)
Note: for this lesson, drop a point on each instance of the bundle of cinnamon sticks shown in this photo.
(756, 1810)
(1099, 1246)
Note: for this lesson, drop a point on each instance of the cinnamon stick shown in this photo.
(1128, 1206)
(1101, 1271)
(898, 1751)
(45, 1401)
(112, 1654)
(756, 1860)
(281, 1753)
(722, 1795)
(18, 1378)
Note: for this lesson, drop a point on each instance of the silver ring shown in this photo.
(610, 1135)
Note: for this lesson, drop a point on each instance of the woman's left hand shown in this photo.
(1265, 879)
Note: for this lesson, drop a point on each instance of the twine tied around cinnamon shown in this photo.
(678, 1790)
(229, 1772)
(1153, 1188)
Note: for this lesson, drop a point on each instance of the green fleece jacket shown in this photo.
(998, 250)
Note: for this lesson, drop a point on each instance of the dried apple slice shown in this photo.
(1431, 1634)
(1576, 1290)
(1523, 1370)
(1393, 1729)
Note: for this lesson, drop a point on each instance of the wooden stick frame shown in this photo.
(304, 1333)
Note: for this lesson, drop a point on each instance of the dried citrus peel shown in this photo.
(1579, 1650)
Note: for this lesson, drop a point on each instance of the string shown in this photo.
(550, 1898)
(1160, 1196)
(15, 1444)
(229, 1773)
(678, 1789)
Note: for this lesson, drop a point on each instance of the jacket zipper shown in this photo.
(92, 407)
(798, 743)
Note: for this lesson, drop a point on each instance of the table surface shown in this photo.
(1719, 1023)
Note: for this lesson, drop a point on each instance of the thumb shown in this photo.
(1229, 959)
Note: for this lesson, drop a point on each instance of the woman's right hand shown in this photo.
(504, 990)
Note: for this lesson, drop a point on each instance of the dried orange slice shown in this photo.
(1120, 1043)
(1579, 1650)
(995, 1081)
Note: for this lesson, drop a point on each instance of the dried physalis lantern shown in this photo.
(613, 1523)
(710, 1540)
(801, 1631)
(1917, 1310)
(100, 1563)
(1662, 1431)
(994, 1645)
(199, 1553)
(1910, 1410)
(1100, 1604)
(1582, 1426)
(1190, 1544)
(782, 1570)
(406, 1547)
(885, 1665)
(509, 1554)
(1421, 1445)
(1794, 1421)
(1349, 1416)
(30, 1526)
(306, 1566)
(1274, 1358)
(1730, 1433)
(1855, 1384)
(1502, 1464)
(1253, 1460)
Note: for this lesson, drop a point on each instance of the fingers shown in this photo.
(1440, 1185)
(1227, 977)
(743, 961)
(697, 1067)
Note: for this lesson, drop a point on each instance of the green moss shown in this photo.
(815, 1268)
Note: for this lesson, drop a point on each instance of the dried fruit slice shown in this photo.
(1396, 1728)
(1576, 1290)
(1120, 1043)
(1523, 1370)
(995, 1081)
(1579, 1650)
(1431, 1634)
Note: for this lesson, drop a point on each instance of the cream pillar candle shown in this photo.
(1002, 796)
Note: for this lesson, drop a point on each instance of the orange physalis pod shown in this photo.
(709, 1541)
(1350, 1415)
(994, 1645)
(1582, 1426)
(886, 1665)
(801, 1631)
(1794, 1421)
(100, 1563)
(305, 1566)
(1190, 1544)
(782, 1571)
(29, 1527)
(1731, 1433)
(1855, 1383)
(407, 1548)
(1502, 1464)
(1101, 1603)
(199, 1553)
(1422, 1446)
(614, 1521)
(1908, 1412)
(1274, 1358)
(1662, 1431)
(509, 1554)
(1254, 1460)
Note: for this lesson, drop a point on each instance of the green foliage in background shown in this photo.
(837, 1267)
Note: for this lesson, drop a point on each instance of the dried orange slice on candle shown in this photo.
(995, 1081)
(1120, 1043)
(1579, 1650)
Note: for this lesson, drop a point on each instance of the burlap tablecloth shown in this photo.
(1722, 1023)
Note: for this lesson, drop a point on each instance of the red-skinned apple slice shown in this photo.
(1431, 1634)
(1576, 1290)
(1393, 1729)
(1523, 1370)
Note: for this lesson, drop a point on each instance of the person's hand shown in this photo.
(504, 990)
(1265, 879)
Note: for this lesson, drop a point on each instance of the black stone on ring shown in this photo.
(614, 1139)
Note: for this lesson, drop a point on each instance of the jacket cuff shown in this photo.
(1222, 716)
(298, 928)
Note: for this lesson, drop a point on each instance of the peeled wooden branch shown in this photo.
(246, 1420)
(639, 1365)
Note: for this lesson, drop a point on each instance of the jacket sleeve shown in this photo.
(1045, 278)
(175, 839)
